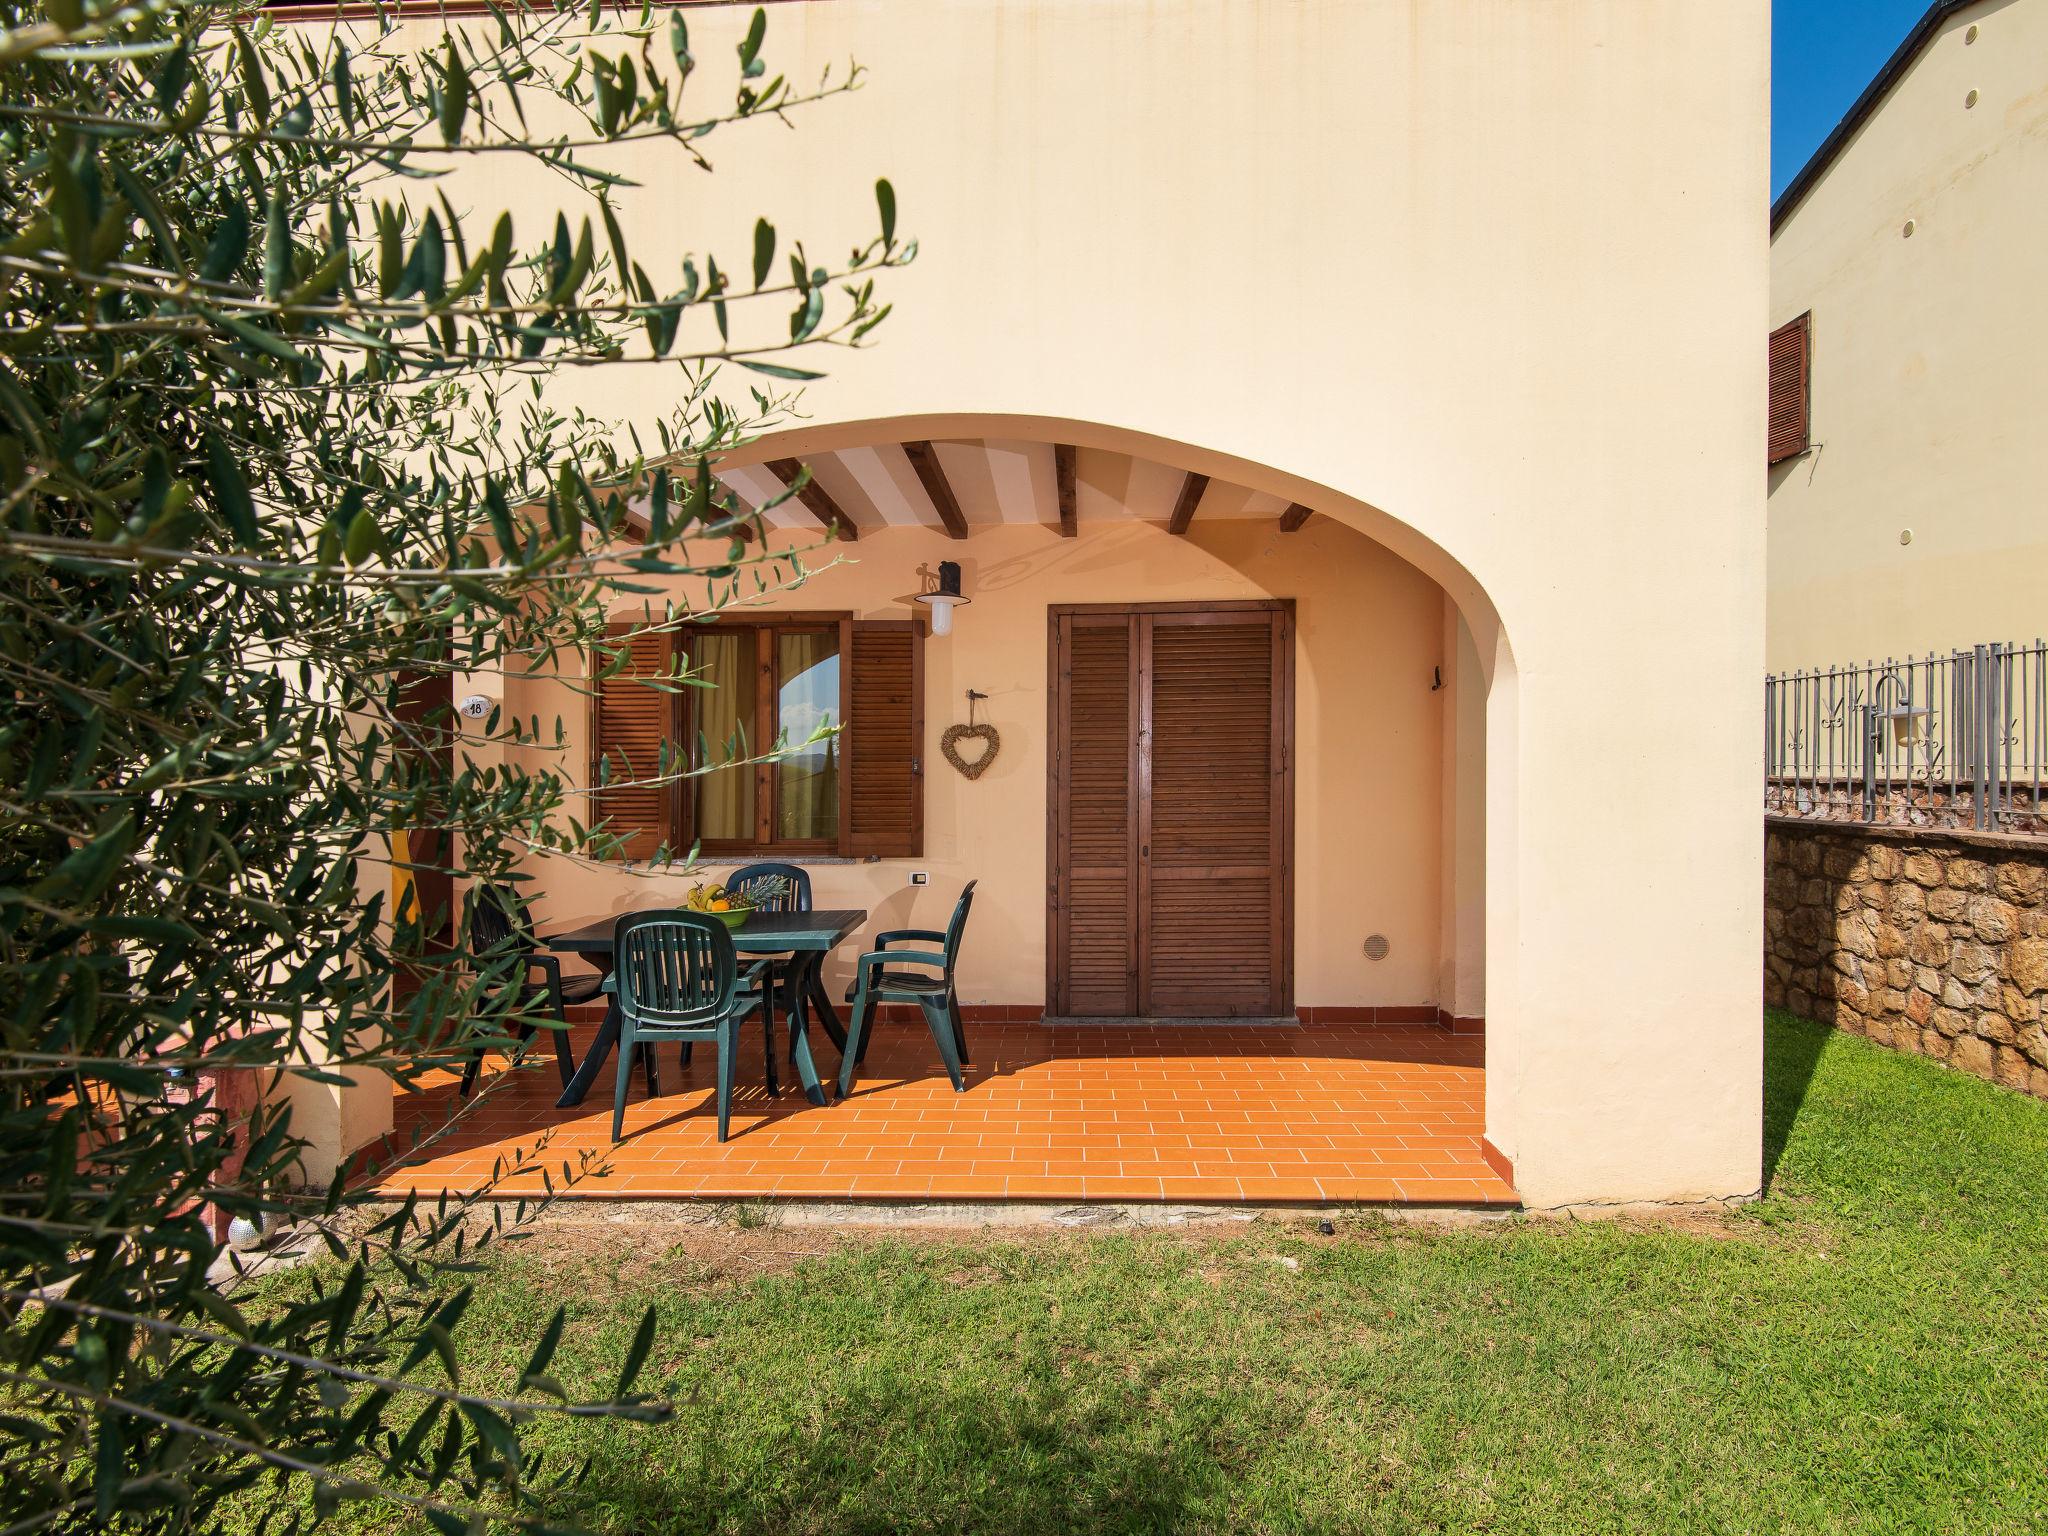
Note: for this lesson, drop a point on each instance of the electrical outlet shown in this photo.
(920, 877)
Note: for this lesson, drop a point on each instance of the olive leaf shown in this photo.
(282, 452)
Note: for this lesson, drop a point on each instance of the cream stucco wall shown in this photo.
(1367, 741)
(1483, 279)
(1929, 396)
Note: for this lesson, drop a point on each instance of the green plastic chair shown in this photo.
(501, 940)
(880, 981)
(677, 977)
(773, 888)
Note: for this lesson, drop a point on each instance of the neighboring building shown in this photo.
(1410, 344)
(1908, 475)
(1909, 555)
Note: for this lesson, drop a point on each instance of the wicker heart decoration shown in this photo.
(955, 734)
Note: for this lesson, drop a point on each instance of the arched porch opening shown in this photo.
(1145, 478)
(1322, 1027)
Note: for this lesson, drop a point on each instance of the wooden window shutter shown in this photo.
(885, 740)
(630, 721)
(1791, 357)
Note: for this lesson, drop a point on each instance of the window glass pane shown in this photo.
(724, 797)
(807, 697)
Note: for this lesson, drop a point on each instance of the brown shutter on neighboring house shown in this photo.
(1791, 351)
(885, 739)
(630, 721)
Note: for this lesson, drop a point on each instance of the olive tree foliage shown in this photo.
(276, 439)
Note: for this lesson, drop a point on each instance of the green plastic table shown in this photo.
(807, 937)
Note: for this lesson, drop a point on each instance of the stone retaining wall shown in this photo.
(1924, 940)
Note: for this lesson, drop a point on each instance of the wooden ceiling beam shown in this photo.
(1063, 477)
(1190, 497)
(816, 499)
(925, 460)
(1295, 515)
(725, 499)
(744, 532)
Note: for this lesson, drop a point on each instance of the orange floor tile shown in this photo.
(1315, 1113)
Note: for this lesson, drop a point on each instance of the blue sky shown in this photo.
(1823, 53)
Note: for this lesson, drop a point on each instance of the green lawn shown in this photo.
(1866, 1350)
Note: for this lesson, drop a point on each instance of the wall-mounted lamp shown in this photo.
(945, 598)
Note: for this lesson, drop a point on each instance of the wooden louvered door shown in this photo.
(1172, 807)
(1094, 916)
(426, 744)
(1212, 830)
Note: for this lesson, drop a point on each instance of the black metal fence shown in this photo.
(1941, 741)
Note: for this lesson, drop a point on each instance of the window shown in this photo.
(842, 698)
(770, 685)
(1791, 404)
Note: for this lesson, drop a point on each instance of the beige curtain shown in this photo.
(725, 797)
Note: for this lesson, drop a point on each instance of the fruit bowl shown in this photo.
(710, 899)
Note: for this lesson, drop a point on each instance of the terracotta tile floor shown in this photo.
(1326, 1112)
